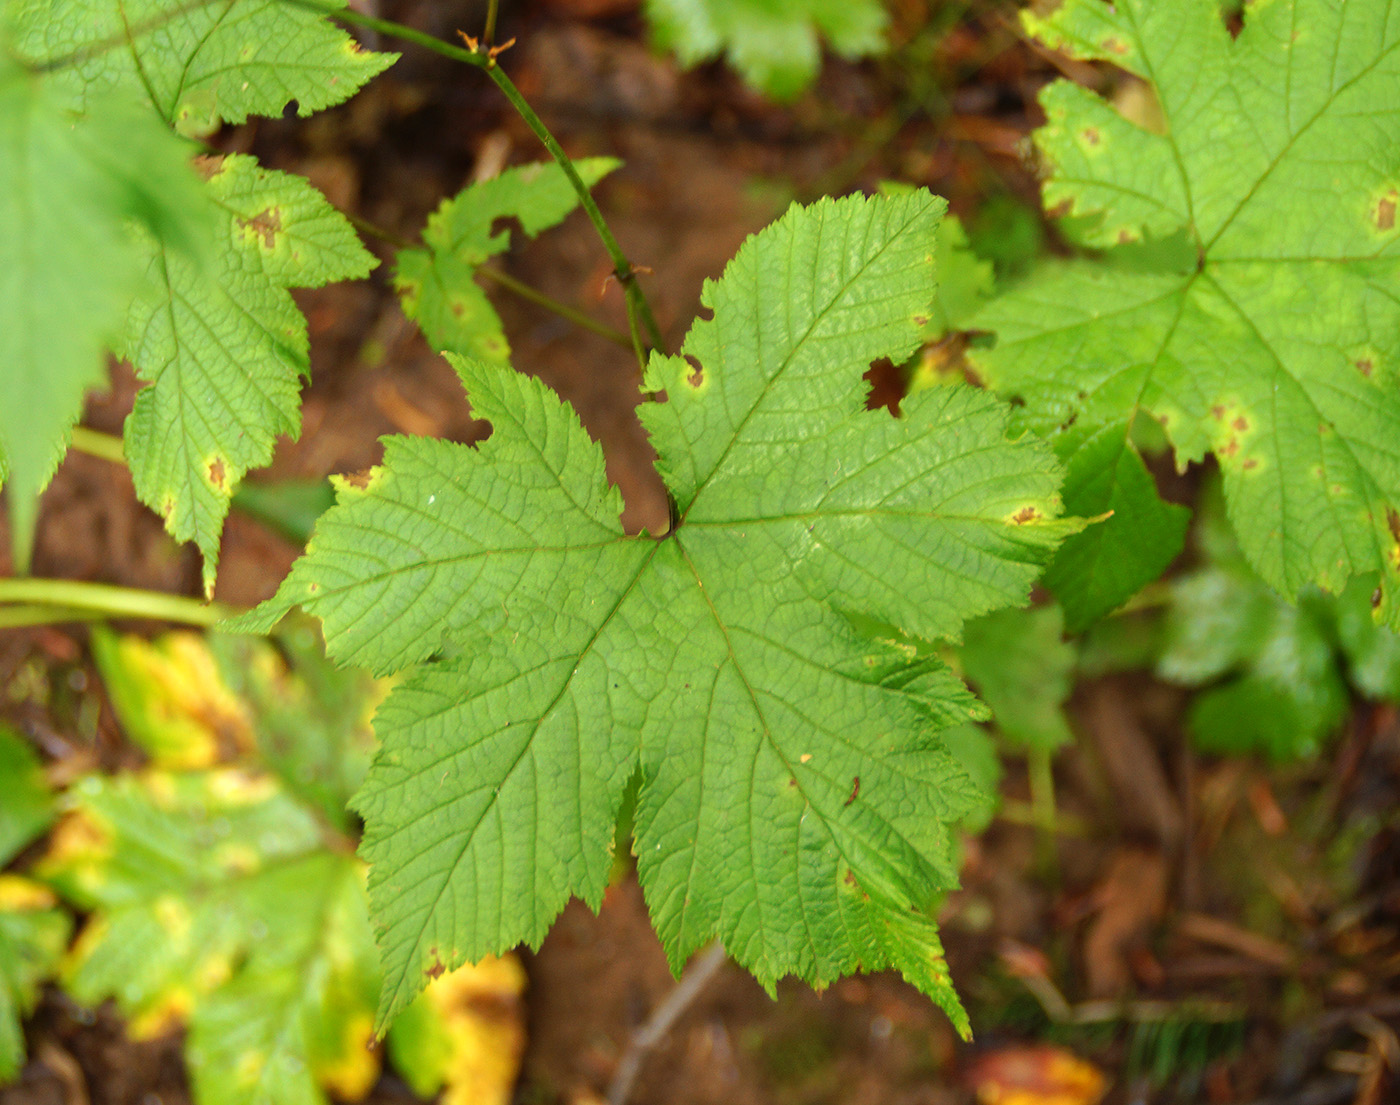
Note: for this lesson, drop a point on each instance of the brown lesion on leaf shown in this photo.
(267, 224)
(1091, 136)
(1240, 423)
(1392, 522)
(1025, 515)
(850, 878)
(359, 480)
(1250, 464)
(208, 166)
(1114, 45)
(218, 474)
(1385, 210)
(855, 789)
(435, 968)
(1365, 366)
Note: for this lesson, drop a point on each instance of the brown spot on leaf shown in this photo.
(1385, 211)
(1126, 236)
(1090, 135)
(1365, 365)
(1241, 423)
(1392, 521)
(435, 969)
(1114, 45)
(1217, 412)
(1230, 448)
(266, 223)
(1250, 463)
(218, 474)
(360, 479)
(850, 879)
(208, 166)
(855, 789)
(1024, 515)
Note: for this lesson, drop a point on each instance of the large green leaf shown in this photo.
(1274, 170)
(795, 798)
(69, 189)
(226, 350)
(774, 44)
(438, 284)
(197, 64)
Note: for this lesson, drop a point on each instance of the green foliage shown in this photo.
(108, 239)
(1275, 675)
(28, 806)
(213, 896)
(437, 285)
(1096, 570)
(774, 45)
(33, 934)
(1021, 666)
(226, 350)
(196, 65)
(68, 263)
(1254, 317)
(795, 797)
(221, 896)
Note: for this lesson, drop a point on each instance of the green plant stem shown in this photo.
(1023, 813)
(639, 314)
(563, 310)
(67, 598)
(488, 36)
(97, 444)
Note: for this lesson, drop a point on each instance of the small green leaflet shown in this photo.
(226, 350)
(1274, 171)
(69, 190)
(774, 46)
(1020, 664)
(438, 285)
(197, 64)
(1096, 570)
(795, 798)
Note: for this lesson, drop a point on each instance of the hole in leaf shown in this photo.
(888, 385)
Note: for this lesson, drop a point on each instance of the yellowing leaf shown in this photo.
(465, 1034)
(170, 698)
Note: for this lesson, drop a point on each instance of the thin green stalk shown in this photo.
(103, 600)
(638, 309)
(488, 36)
(563, 310)
(97, 444)
(17, 617)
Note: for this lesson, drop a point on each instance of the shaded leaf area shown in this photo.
(775, 47)
(1277, 677)
(1245, 302)
(197, 65)
(221, 897)
(214, 899)
(69, 265)
(810, 842)
(437, 285)
(225, 348)
(1021, 666)
(33, 933)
